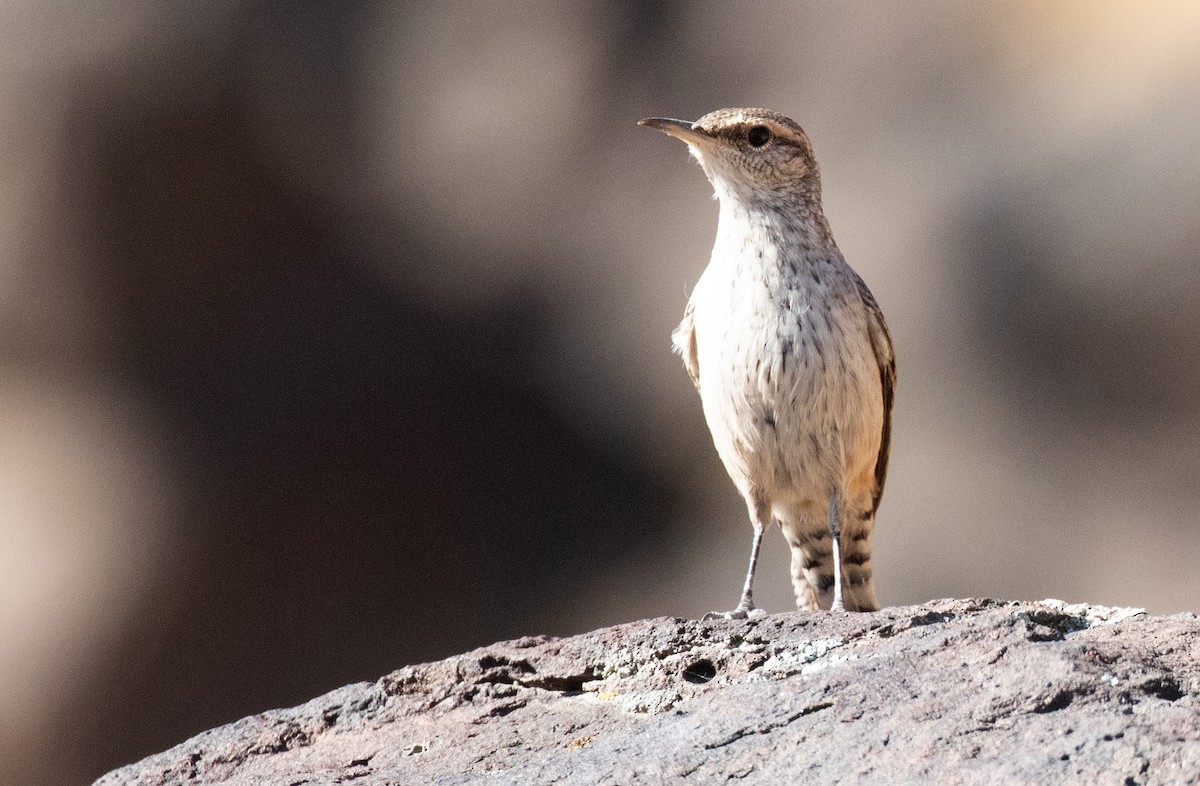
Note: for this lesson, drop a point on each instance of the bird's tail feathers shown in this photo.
(812, 563)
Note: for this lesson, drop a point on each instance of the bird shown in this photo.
(791, 356)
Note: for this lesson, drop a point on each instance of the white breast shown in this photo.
(788, 378)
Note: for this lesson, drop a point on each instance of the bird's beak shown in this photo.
(680, 129)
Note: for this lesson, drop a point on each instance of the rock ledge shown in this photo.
(953, 691)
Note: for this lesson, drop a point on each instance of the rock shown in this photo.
(954, 691)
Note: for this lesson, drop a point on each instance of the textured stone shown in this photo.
(954, 691)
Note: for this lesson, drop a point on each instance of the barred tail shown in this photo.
(812, 563)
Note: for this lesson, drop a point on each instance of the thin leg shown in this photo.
(746, 604)
(835, 533)
(759, 514)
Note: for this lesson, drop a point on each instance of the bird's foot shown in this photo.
(740, 613)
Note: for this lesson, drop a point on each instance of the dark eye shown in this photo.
(758, 136)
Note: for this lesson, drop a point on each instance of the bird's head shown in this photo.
(749, 154)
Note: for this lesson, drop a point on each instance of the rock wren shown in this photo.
(791, 356)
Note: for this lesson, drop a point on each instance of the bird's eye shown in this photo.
(758, 136)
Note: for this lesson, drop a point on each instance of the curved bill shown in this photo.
(680, 129)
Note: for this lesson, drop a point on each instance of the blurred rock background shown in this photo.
(334, 336)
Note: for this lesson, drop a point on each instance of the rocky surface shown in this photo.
(954, 691)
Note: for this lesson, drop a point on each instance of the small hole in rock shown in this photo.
(700, 671)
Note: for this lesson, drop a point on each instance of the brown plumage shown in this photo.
(791, 356)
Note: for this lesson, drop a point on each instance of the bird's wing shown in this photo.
(684, 340)
(881, 342)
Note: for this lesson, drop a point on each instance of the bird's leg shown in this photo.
(745, 607)
(835, 534)
(746, 604)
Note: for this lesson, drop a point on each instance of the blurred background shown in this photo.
(334, 337)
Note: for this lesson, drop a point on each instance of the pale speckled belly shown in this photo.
(791, 392)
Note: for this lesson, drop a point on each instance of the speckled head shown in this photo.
(748, 154)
